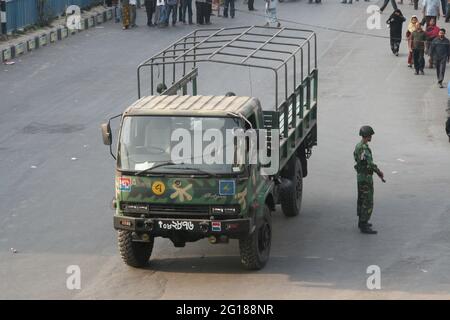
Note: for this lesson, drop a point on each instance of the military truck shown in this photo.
(185, 201)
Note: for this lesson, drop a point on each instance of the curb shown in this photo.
(52, 35)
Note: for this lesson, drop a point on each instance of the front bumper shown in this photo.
(164, 227)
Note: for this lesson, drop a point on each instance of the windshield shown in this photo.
(177, 144)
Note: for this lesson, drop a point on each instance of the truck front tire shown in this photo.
(134, 254)
(255, 249)
(291, 195)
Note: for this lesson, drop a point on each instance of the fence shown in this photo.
(23, 13)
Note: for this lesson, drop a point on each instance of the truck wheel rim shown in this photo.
(264, 238)
(298, 187)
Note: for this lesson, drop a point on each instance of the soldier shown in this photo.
(161, 87)
(365, 169)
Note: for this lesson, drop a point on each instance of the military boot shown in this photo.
(361, 224)
(367, 230)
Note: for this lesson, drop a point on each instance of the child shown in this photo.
(395, 23)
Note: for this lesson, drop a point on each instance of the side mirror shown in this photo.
(106, 134)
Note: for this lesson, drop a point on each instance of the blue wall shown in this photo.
(22, 13)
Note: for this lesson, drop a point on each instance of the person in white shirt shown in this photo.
(160, 16)
(271, 13)
(431, 10)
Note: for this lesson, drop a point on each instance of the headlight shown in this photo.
(134, 207)
(216, 210)
(224, 210)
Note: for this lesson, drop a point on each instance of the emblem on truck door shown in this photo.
(227, 187)
(158, 188)
(181, 193)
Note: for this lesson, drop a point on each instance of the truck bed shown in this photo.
(296, 119)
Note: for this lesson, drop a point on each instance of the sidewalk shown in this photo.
(34, 40)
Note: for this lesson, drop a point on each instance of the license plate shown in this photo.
(176, 225)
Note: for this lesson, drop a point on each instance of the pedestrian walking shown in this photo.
(447, 12)
(133, 4)
(271, 13)
(200, 12)
(440, 51)
(432, 32)
(117, 10)
(150, 8)
(125, 14)
(365, 167)
(160, 13)
(447, 123)
(250, 5)
(395, 23)
(187, 8)
(444, 7)
(208, 11)
(228, 4)
(386, 2)
(431, 10)
(180, 11)
(418, 45)
(171, 8)
(411, 28)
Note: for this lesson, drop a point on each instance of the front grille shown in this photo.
(174, 211)
(185, 209)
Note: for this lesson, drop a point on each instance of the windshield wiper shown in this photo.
(162, 164)
(198, 170)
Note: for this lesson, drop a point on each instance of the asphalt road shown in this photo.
(57, 177)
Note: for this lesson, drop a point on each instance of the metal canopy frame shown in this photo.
(248, 46)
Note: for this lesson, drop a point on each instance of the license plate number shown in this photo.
(176, 225)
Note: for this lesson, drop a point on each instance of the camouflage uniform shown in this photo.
(365, 169)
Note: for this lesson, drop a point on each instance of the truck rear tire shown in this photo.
(291, 197)
(255, 249)
(134, 254)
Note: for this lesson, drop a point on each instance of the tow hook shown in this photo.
(204, 226)
(218, 239)
(148, 224)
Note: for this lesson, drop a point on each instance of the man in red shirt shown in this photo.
(431, 32)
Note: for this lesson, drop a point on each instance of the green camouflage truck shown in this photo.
(185, 165)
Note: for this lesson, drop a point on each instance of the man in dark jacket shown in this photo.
(440, 51)
(395, 23)
(447, 123)
(150, 8)
(250, 5)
